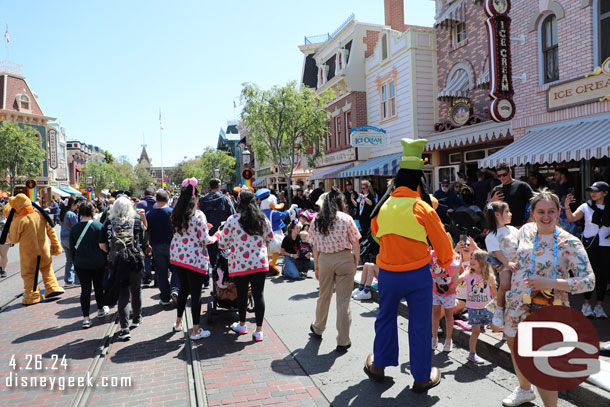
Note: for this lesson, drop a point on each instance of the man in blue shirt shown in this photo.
(160, 234)
(147, 203)
(448, 200)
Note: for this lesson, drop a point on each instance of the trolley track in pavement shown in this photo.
(4, 305)
(196, 384)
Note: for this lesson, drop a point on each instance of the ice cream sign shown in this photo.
(368, 136)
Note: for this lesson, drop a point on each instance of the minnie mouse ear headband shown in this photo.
(192, 182)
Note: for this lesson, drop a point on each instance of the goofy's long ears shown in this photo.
(43, 213)
(7, 226)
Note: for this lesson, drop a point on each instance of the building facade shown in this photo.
(563, 100)
(229, 141)
(463, 132)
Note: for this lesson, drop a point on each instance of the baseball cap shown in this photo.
(348, 183)
(445, 181)
(599, 186)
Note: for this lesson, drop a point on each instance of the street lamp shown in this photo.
(90, 179)
(245, 156)
(216, 173)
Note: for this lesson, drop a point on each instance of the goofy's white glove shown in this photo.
(293, 211)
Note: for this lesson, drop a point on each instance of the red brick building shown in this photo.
(464, 132)
(562, 95)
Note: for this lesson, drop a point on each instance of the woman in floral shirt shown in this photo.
(247, 235)
(538, 241)
(189, 254)
(336, 253)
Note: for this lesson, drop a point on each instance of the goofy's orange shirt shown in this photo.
(398, 252)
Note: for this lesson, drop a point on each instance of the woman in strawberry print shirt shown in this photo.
(189, 254)
(247, 235)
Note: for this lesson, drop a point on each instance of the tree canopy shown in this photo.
(202, 167)
(21, 155)
(286, 124)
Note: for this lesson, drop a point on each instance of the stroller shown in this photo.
(224, 291)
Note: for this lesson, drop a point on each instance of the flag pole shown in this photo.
(161, 140)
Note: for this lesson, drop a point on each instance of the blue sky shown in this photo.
(104, 68)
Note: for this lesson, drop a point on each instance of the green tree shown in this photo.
(286, 124)
(21, 155)
(187, 169)
(108, 157)
(102, 175)
(213, 159)
(142, 179)
(123, 176)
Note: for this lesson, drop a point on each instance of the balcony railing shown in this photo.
(314, 39)
(10, 67)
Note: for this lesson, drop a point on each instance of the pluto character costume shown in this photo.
(402, 222)
(268, 207)
(30, 229)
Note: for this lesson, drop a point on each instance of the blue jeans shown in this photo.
(416, 287)
(69, 276)
(148, 268)
(292, 267)
(162, 268)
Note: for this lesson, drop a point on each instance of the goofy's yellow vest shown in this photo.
(396, 217)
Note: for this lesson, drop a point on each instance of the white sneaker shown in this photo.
(599, 312)
(202, 334)
(448, 345)
(434, 343)
(587, 311)
(165, 303)
(86, 323)
(103, 312)
(257, 336)
(518, 397)
(362, 295)
(356, 291)
(606, 347)
(498, 318)
(135, 324)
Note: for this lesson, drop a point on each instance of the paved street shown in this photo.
(289, 368)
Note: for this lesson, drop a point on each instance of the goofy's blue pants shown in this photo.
(416, 287)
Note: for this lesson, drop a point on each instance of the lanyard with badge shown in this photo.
(544, 297)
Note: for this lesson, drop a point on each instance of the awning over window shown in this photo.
(457, 86)
(70, 191)
(577, 140)
(454, 13)
(483, 80)
(59, 192)
(259, 183)
(475, 133)
(330, 172)
(385, 166)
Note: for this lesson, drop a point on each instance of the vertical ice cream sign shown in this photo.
(502, 107)
(52, 145)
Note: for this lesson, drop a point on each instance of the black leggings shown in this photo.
(190, 283)
(600, 262)
(257, 280)
(86, 277)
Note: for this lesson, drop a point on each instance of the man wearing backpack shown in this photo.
(216, 208)
(147, 203)
(123, 239)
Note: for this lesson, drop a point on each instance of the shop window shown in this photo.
(348, 126)
(604, 30)
(459, 34)
(550, 49)
(338, 129)
(494, 150)
(474, 155)
(455, 158)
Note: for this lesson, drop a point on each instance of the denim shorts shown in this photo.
(478, 317)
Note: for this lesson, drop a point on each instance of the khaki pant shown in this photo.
(337, 271)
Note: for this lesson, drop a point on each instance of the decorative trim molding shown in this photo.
(554, 7)
(586, 3)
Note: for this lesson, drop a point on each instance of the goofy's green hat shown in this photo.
(412, 152)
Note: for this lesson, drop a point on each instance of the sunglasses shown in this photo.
(505, 174)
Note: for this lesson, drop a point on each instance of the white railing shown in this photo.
(11, 67)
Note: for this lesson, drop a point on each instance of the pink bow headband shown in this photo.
(192, 182)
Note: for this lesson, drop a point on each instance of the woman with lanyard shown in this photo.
(596, 239)
(89, 261)
(546, 255)
(68, 219)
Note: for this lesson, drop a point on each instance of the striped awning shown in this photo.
(465, 135)
(458, 86)
(59, 192)
(385, 166)
(454, 13)
(556, 143)
(330, 172)
(261, 182)
(70, 191)
(483, 80)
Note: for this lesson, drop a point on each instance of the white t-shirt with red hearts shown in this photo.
(246, 253)
(188, 249)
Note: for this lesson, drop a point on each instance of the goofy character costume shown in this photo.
(402, 223)
(268, 207)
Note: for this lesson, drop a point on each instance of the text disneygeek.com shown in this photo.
(14, 380)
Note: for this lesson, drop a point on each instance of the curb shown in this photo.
(497, 352)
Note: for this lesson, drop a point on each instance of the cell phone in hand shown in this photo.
(463, 238)
(492, 260)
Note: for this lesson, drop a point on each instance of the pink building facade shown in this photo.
(561, 77)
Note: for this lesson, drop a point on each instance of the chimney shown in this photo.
(395, 14)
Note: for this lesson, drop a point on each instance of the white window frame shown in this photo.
(338, 128)
(597, 34)
(383, 90)
(347, 126)
(385, 49)
(388, 105)
(541, 72)
(455, 34)
(452, 177)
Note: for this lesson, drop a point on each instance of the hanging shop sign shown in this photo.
(247, 174)
(593, 87)
(461, 111)
(338, 157)
(52, 145)
(368, 136)
(502, 107)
